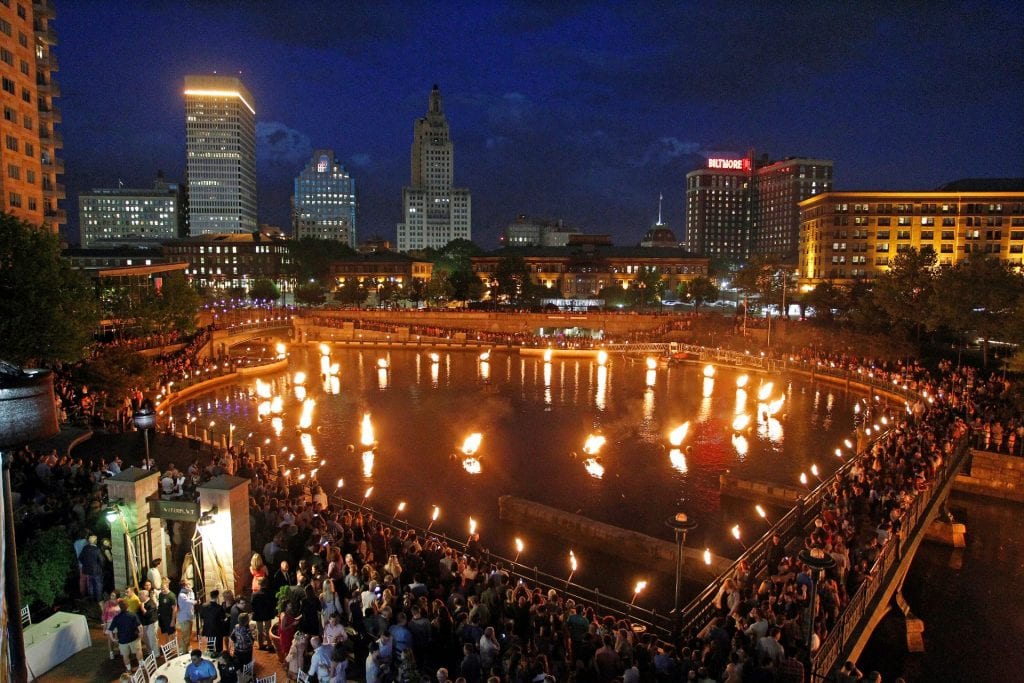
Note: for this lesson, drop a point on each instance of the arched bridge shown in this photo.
(223, 338)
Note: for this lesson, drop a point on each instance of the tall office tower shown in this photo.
(434, 213)
(781, 186)
(135, 217)
(325, 200)
(220, 128)
(718, 210)
(28, 162)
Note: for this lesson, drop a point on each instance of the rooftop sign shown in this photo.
(730, 164)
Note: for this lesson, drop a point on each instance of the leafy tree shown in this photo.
(264, 289)
(352, 293)
(116, 371)
(454, 256)
(980, 295)
(417, 290)
(512, 277)
(48, 311)
(646, 287)
(759, 278)
(174, 307)
(826, 298)
(699, 290)
(614, 297)
(388, 292)
(310, 294)
(44, 563)
(439, 288)
(311, 258)
(905, 291)
(466, 285)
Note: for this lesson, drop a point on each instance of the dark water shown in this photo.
(533, 417)
(971, 601)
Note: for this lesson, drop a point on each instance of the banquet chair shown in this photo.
(272, 678)
(26, 616)
(211, 645)
(245, 676)
(149, 664)
(139, 676)
(169, 650)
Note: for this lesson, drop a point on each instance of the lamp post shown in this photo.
(27, 413)
(681, 525)
(145, 419)
(818, 560)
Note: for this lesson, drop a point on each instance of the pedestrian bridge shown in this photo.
(223, 338)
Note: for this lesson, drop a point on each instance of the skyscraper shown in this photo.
(220, 126)
(324, 203)
(28, 161)
(434, 213)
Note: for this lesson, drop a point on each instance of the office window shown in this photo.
(11, 143)
(14, 171)
(15, 200)
(8, 85)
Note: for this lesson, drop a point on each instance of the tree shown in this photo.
(174, 307)
(439, 288)
(512, 277)
(646, 286)
(310, 294)
(311, 258)
(905, 291)
(264, 289)
(466, 285)
(352, 293)
(388, 292)
(116, 371)
(614, 297)
(45, 562)
(980, 295)
(826, 298)
(417, 290)
(48, 311)
(699, 290)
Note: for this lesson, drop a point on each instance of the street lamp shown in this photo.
(681, 525)
(145, 419)
(818, 561)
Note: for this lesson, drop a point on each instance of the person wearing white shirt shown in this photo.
(186, 614)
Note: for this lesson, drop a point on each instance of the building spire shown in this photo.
(660, 197)
(435, 101)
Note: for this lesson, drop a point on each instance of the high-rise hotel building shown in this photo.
(433, 212)
(28, 158)
(324, 202)
(220, 128)
(742, 207)
(113, 217)
(849, 236)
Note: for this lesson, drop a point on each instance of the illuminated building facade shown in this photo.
(324, 202)
(28, 158)
(433, 212)
(848, 236)
(222, 261)
(220, 128)
(737, 208)
(136, 217)
(533, 232)
(373, 269)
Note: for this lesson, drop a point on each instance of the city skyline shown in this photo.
(584, 114)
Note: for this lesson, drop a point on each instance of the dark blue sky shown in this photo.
(573, 110)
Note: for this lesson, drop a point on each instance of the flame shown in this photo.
(676, 436)
(678, 460)
(739, 442)
(594, 468)
(764, 391)
(803, 478)
(741, 381)
(485, 356)
(382, 363)
(472, 443)
(814, 470)
(366, 431)
(307, 445)
(472, 526)
(847, 443)
(299, 379)
(519, 545)
(401, 506)
(707, 556)
(652, 364)
(472, 465)
(325, 350)
(368, 492)
(263, 409)
(572, 561)
(277, 424)
(736, 532)
(325, 365)
(740, 422)
(709, 370)
(262, 389)
(776, 405)
(435, 514)
(761, 512)
(434, 358)
(485, 370)
(593, 444)
(281, 349)
(547, 355)
(839, 453)
(341, 482)
(602, 357)
(306, 418)
(640, 585)
(300, 393)
(276, 405)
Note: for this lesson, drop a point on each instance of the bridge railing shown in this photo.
(863, 601)
(261, 323)
(658, 623)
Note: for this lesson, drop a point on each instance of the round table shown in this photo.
(175, 668)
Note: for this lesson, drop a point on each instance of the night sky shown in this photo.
(572, 110)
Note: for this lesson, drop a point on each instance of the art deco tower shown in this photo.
(220, 127)
(434, 213)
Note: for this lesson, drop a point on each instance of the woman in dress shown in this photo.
(258, 570)
(287, 624)
(110, 609)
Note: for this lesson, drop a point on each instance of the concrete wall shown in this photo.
(996, 475)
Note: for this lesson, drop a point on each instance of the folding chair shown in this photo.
(26, 617)
(139, 676)
(247, 672)
(169, 650)
(149, 664)
(272, 678)
(211, 644)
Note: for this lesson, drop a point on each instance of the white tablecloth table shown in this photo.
(53, 640)
(175, 669)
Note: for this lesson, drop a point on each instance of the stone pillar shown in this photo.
(133, 487)
(227, 544)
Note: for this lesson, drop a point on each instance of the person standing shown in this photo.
(211, 616)
(264, 607)
(166, 606)
(242, 639)
(147, 615)
(186, 614)
(153, 575)
(126, 629)
(91, 559)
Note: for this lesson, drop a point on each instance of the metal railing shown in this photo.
(659, 623)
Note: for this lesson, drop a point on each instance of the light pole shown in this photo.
(681, 524)
(145, 419)
(818, 561)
